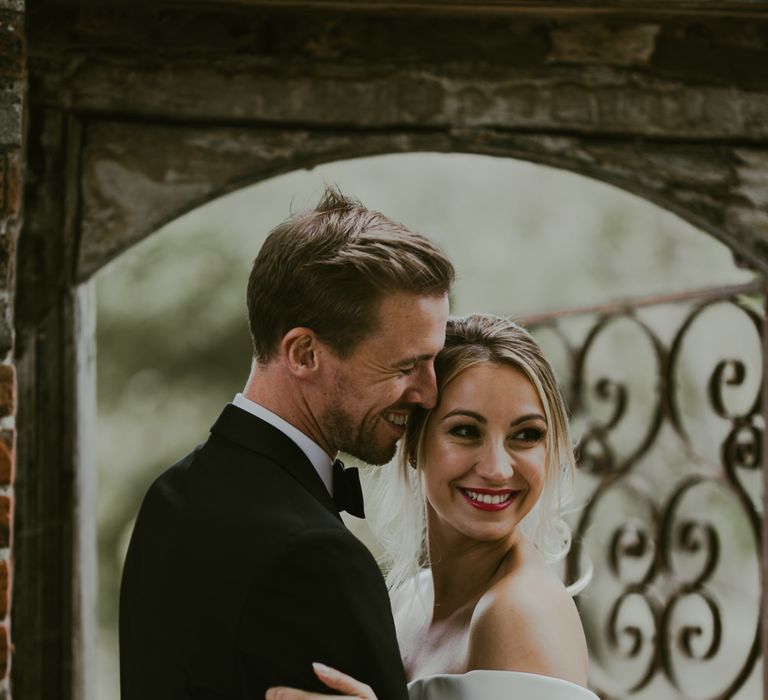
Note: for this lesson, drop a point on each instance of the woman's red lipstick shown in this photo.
(508, 496)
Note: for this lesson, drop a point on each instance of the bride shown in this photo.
(479, 489)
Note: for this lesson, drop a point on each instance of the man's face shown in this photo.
(373, 391)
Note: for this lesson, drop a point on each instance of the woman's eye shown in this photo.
(464, 431)
(530, 435)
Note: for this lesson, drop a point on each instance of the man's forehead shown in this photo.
(396, 349)
(411, 326)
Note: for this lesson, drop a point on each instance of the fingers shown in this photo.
(350, 687)
(283, 693)
(341, 682)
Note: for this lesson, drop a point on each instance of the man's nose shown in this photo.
(425, 387)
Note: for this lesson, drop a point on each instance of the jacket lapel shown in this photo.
(257, 435)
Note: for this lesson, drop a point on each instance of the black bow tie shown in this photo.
(347, 493)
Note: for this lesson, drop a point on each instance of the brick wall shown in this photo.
(12, 102)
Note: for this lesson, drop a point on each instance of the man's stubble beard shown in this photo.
(355, 439)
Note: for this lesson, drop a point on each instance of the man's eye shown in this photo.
(407, 370)
(464, 431)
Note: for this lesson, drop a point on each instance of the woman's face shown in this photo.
(485, 452)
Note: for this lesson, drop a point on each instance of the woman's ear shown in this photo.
(300, 348)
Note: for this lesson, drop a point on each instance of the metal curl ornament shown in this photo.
(634, 542)
(685, 637)
(696, 536)
(743, 448)
(628, 640)
(688, 535)
(729, 372)
(688, 633)
(610, 390)
(607, 389)
(726, 373)
(595, 454)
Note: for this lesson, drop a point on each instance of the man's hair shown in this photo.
(328, 268)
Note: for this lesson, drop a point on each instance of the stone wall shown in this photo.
(12, 101)
(670, 105)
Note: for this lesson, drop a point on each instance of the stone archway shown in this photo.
(136, 177)
(141, 111)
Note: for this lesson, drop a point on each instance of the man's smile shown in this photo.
(398, 419)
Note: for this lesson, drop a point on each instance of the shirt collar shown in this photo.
(322, 463)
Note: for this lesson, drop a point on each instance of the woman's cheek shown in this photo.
(535, 472)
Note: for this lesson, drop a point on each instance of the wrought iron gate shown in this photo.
(665, 394)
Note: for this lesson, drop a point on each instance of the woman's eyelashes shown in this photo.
(464, 430)
(531, 435)
(470, 431)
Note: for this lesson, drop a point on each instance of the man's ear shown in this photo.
(300, 348)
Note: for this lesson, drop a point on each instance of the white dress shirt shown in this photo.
(322, 463)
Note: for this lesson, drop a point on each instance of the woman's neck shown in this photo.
(463, 569)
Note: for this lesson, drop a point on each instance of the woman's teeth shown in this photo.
(487, 497)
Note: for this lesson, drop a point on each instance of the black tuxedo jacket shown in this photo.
(240, 574)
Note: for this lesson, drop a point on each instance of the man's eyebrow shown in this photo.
(416, 358)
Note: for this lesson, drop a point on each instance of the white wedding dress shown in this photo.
(496, 685)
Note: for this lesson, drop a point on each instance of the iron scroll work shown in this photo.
(665, 395)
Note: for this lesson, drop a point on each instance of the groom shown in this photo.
(240, 572)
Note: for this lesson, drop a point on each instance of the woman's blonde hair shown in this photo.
(399, 515)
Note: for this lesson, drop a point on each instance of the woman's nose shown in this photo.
(497, 463)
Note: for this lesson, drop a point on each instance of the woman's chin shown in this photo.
(488, 533)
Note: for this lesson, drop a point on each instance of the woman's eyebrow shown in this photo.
(465, 412)
(528, 416)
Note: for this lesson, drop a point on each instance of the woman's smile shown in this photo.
(489, 499)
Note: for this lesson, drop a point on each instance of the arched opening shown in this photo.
(526, 238)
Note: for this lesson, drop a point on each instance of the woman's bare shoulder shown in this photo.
(528, 622)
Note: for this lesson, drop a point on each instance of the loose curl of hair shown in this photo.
(399, 516)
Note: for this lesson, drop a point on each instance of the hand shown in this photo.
(348, 686)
